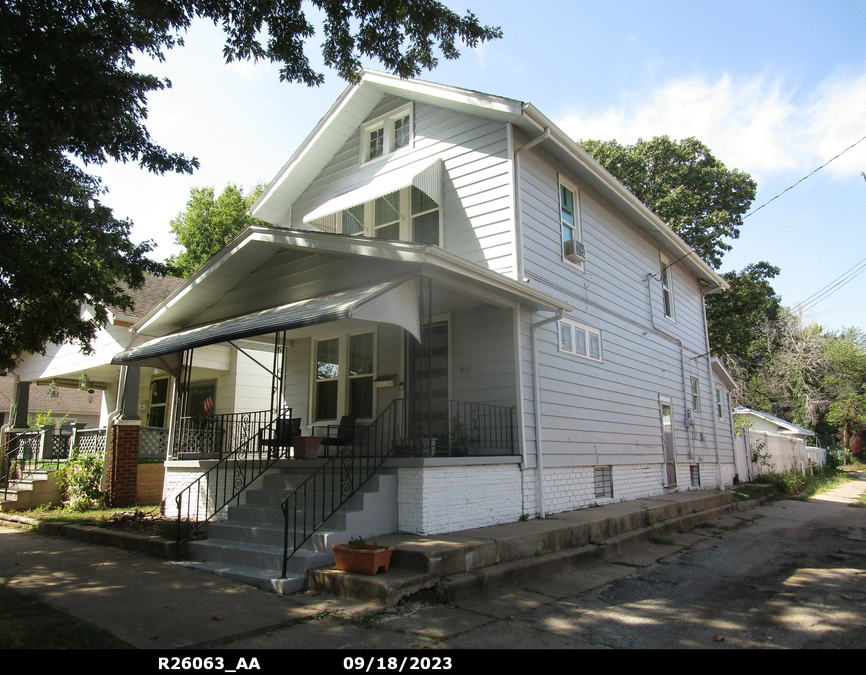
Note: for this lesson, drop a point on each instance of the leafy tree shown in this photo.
(738, 320)
(209, 223)
(70, 97)
(684, 185)
(845, 382)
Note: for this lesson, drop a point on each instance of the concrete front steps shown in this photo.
(248, 547)
(468, 562)
(37, 489)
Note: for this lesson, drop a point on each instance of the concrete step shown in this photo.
(256, 556)
(499, 555)
(267, 579)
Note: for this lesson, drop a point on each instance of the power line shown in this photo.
(802, 222)
(710, 238)
(754, 211)
(828, 290)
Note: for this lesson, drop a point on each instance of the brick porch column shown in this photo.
(121, 463)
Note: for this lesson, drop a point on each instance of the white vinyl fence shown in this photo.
(775, 453)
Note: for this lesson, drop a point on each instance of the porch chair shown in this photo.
(280, 437)
(338, 435)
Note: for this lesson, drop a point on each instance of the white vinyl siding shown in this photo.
(476, 218)
(607, 414)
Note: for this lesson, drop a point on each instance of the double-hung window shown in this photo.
(696, 394)
(580, 339)
(667, 286)
(387, 134)
(345, 369)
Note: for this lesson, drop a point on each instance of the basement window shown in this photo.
(604, 482)
(695, 472)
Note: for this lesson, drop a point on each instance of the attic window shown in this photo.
(385, 135)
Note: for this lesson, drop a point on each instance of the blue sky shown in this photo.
(775, 89)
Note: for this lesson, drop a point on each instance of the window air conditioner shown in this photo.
(575, 251)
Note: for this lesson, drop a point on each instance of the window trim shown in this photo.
(343, 378)
(387, 123)
(666, 280)
(588, 331)
(563, 182)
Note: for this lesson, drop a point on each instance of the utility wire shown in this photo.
(754, 211)
(828, 290)
(710, 238)
(802, 222)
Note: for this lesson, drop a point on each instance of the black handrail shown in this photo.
(406, 426)
(232, 474)
(322, 494)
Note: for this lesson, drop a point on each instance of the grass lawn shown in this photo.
(28, 623)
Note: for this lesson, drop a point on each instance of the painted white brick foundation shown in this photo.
(180, 475)
(435, 500)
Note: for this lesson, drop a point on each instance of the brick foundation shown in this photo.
(121, 465)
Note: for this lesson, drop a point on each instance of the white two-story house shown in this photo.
(452, 275)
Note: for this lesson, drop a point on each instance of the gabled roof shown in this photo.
(357, 102)
(787, 428)
(154, 291)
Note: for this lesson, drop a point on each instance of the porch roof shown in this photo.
(204, 297)
(394, 301)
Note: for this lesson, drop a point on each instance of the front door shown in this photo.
(428, 383)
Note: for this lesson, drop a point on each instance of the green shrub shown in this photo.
(79, 481)
(835, 457)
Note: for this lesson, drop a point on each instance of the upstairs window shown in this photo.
(667, 288)
(409, 214)
(386, 134)
(696, 394)
(573, 250)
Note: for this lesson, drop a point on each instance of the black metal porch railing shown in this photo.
(215, 436)
(223, 483)
(405, 427)
(321, 495)
(26, 453)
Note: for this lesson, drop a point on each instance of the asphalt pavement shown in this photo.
(788, 575)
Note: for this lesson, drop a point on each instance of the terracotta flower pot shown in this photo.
(368, 559)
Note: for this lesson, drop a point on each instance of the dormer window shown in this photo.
(387, 134)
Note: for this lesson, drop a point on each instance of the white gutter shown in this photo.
(536, 393)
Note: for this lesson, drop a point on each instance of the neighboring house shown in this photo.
(452, 273)
(67, 406)
(761, 421)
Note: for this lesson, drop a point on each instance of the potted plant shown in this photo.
(459, 438)
(361, 557)
(402, 446)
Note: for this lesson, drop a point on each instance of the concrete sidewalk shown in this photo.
(151, 603)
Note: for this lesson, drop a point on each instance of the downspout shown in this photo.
(682, 362)
(536, 394)
(712, 390)
(112, 417)
(518, 217)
